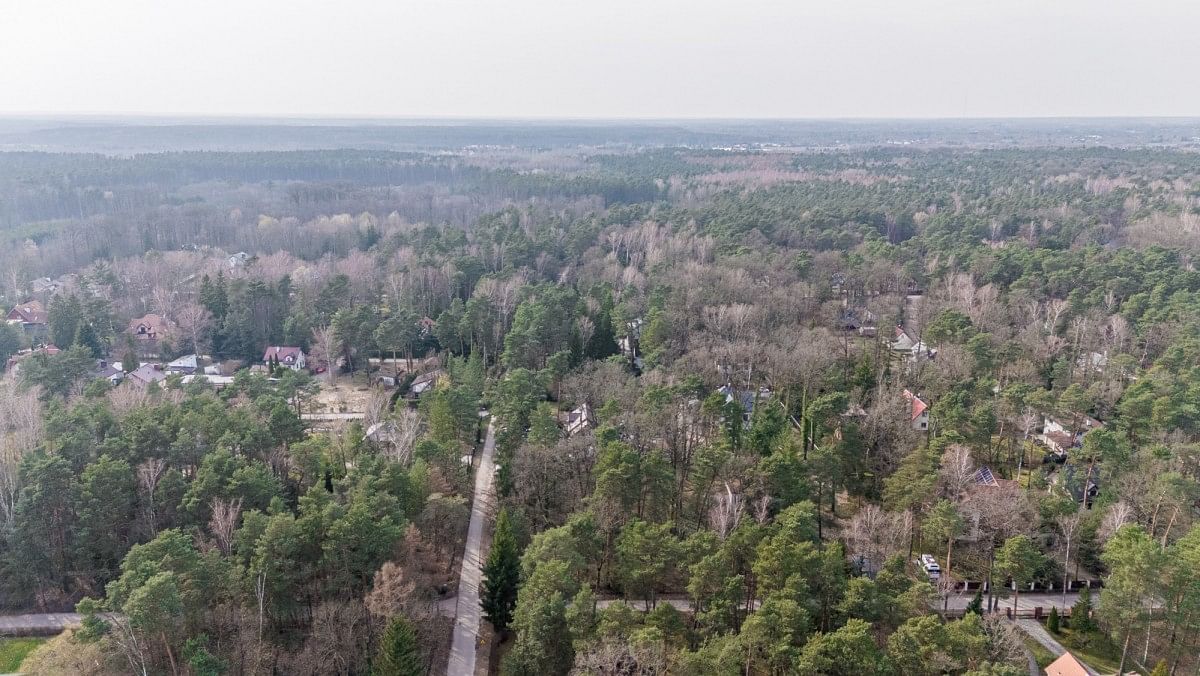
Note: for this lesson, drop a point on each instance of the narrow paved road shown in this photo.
(468, 613)
(37, 624)
(332, 417)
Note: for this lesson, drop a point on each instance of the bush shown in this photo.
(1052, 621)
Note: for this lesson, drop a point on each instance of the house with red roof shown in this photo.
(149, 332)
(918, 413)
(1068, 665)
(31, 316)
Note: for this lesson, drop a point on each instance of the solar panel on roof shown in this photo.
(984, 476)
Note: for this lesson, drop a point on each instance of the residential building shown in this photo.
(578, 420)
(110, 372)
(215, 382)
(185, 365)
(288, 357)
(860, 320)
(918, 413)
(1059, 434)
(1096, 361)
(146, 374)
(30, 315)
(747, 398)
(44, 285)
(985, 478)
(1067, 665)
(13, 365)
(903, 342)
(426, 326)
(149, 332)
(425, 382)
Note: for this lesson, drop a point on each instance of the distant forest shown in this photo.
(767, 397)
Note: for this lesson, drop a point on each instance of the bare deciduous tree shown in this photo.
(957, 470)
(127, 398)
(1068, 524)
(325, 348)
(148, 474)
(876, 534)
(20, 432)
(193, 321)
(726, 512)
(224, 521)
(1118, 515)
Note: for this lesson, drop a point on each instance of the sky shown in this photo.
(602, 58)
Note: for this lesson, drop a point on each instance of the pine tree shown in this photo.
(1081, 612)
(64, 318)
(130, 360)
(214, 296)
(976, 604)
(399, 654)
(1052, 621)
(501, 575)
(85, 336)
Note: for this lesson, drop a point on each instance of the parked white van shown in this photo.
(931, 567)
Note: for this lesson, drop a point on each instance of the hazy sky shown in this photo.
(602, 58)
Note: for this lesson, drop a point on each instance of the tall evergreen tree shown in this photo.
(85, 336)
(215, 296)
(399, 654)
(64, 317)
(10, 342)
(129, 358)
(502, 574)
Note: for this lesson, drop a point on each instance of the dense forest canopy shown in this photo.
(747, 383)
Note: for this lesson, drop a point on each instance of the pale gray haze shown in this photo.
(602, 58)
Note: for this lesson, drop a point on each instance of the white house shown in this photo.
(425, 382)
(1058, 435)
(579, 420)
(288, 357)
(215, 382)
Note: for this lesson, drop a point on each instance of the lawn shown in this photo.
(1043, 656)
(13, 652)
(1094, 648)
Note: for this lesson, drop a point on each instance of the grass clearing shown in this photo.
(1095, 648)
(14, 650)
(1040, 653)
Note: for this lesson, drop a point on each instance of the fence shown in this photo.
(1035, 587)
(1036, 613)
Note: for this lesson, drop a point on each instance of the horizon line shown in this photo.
(224, 117)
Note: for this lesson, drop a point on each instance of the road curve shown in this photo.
(468, 613)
